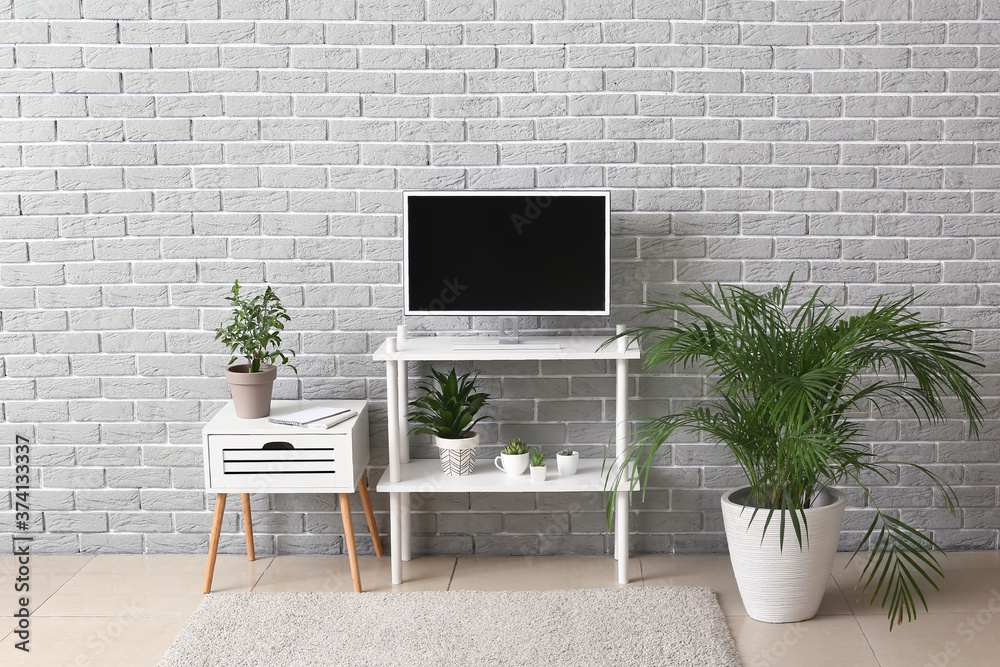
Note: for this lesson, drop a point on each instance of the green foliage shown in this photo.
(786, 382)
(254, 330)
(448, 407)
(515, 447)
(566, 452)
(537, 457)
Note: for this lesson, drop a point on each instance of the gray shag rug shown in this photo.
(631, 627)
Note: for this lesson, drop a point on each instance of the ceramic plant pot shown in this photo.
(538, 473)
(512, 464)
(782, 585)
(458, 456)
(567, 464)
(251, 391)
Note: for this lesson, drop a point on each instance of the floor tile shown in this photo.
(162, 585)
(121, 640)
(824, 641)
(46, 574)
(333, 573)
(971, 580)
(540, 573)
(937, 639)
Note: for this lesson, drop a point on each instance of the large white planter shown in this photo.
(458, 456)
(782, 585)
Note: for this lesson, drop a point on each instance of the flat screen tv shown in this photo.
(508, 253)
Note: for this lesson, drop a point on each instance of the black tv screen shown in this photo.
(529, 252)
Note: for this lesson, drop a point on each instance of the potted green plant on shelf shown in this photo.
(447, 410)
(537, 465)
(253, 332)
(788, 384)
(567, 461)
(514, 458)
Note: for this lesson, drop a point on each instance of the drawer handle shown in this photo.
(277, 444)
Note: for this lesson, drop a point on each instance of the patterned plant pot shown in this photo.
(458, 456)
(782, 585)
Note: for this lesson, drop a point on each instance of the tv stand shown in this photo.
(509, 337)
(403, 477)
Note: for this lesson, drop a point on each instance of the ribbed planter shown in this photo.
(458, 456)
(251, 391)
(782, 585)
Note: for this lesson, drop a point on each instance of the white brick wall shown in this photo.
(150, 153)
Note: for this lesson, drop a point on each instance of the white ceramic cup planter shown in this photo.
(512, 464)
(782, 585)
(567, 464)
(458, 456)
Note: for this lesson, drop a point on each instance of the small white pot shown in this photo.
(512, 464)
(782, 585)
(537, 473)
(567, 464)
(458, 456)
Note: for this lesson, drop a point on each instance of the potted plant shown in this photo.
(514, 458)
(447, 410)
(567, 461)
(537, 465)
(254, 333)
(787, 383)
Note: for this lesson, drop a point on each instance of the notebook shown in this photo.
(317, 417)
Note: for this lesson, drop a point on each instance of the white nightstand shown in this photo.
(256, 456)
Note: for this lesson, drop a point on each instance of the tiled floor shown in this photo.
(110, 611)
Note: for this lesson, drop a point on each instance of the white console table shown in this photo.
(404, 477)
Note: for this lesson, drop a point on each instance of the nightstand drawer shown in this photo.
(272, 463)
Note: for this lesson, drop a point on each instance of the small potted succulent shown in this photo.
(567, 461)
(537, 465)
(254, 333)
(447, 410)
(513, 460)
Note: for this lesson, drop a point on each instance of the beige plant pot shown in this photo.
(251, 391)
(782, 584)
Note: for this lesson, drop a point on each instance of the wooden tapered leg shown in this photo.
(213, 542)
(366, 502)
(352, 548)
(248, 526)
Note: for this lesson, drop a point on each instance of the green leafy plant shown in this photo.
(254, 329)
(566, 452)
(788, 384)
(449, 405)
(515, 447)
(537, 457)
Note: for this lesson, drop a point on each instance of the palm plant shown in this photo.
(448, 406)
(787, 384)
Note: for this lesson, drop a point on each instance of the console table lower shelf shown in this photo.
(425, 476)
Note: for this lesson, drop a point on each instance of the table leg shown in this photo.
(621, 447)
(395, 551)
(366, 502)
(248, 526)
(352, 547)
(213, 542)
(405, 529)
